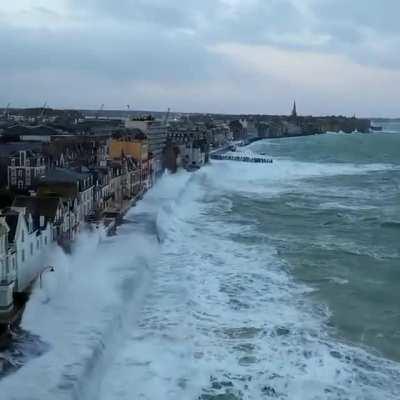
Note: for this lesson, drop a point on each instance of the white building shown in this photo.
(31, 240)
(7, 269)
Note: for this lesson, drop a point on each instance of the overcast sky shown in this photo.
(239, 56)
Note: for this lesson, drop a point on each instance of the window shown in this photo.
(23, 255)
(20, 185)
(37, 244)
(20, 173)
(22, 236)
(31, 246)
(45, 240)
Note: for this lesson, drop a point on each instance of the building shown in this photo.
(156, 133)
(103, 196)
(238, 129)
(31, 239)
(187, 148)
(75, 151)
(128, 146)
(24, 168)
(51, 209)
(71, 185)
(7, 269)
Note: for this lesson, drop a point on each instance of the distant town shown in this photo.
(62, 171)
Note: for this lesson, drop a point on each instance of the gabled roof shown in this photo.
(39, 206)
(12, 222)
(29, 153)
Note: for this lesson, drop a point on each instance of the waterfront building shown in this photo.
(238, 128)
(156, 133)
(7, 269)
(43, 210)
(70, 184)
(187, 148)
(103, 195)
(31, 239)
(129, 146)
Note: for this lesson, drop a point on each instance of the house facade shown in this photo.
(7, 269)
(28, 240)
(24, 168)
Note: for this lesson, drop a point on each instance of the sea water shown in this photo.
(239, 281)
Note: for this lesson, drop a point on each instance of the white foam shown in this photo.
(226, 311)
(127, 322)
(282, 176)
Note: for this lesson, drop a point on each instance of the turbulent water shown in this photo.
(240, 281)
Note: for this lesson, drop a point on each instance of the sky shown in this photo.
(222, 56)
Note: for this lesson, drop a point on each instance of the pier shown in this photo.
(248, 157)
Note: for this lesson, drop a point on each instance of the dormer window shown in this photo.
(13, 162)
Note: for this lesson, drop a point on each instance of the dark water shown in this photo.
(340, 234)
(276, 281)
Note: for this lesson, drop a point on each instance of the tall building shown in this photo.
(156, 133)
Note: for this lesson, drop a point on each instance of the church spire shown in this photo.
(294, 111)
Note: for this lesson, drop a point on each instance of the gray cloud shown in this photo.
(170, 43)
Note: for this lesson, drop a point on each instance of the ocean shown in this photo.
(236, 282)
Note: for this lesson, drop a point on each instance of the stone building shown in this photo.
(24, 169)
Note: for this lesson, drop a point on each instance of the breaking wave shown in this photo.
(208, 311)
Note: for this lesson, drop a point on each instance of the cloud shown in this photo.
(202, 55)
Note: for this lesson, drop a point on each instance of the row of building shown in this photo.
(56, 182)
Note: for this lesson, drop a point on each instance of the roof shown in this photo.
(12, 222)
(63, 175)
(39, 206)
(29, 153)
(8, 148)
(23, 130)
(57, 190)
